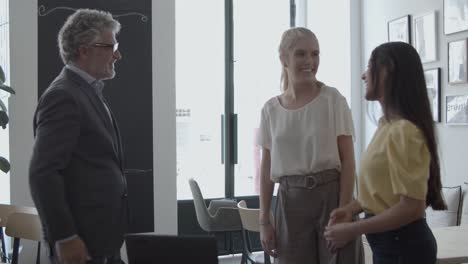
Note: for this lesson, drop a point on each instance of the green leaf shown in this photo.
(3, 119)
(7, 88)
(4, 165)
(2, 76)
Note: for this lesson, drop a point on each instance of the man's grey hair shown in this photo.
(82, 28)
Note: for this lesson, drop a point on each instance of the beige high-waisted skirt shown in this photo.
(302, 211)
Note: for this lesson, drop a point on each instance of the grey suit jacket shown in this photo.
(76, 172)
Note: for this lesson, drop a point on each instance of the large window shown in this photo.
(257, 72)
(227, 66)
(200, 86)
(330, 21)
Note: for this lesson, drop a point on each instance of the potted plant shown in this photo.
(4, 163)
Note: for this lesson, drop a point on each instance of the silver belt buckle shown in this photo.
(308, 182)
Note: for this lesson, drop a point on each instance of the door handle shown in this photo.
(234, 138)
(222, 139)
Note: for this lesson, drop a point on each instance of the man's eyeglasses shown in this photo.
(114, 46)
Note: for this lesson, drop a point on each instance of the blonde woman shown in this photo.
(306, 136)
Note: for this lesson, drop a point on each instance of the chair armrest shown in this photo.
(229, 217)
(223, 203)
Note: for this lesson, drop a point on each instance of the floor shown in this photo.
(227, 259)
(230, 259)
(236, 259)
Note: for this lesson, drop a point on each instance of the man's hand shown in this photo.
(72, 251)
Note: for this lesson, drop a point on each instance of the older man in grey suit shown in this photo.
(76, 172)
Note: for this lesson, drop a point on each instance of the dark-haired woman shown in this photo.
(399, 174)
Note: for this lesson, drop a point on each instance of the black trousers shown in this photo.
(114, 259)
(413, 243)
(96, 260)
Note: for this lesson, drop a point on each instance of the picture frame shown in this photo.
(399, 29)
(432, 77)
(425, 36)
(456, 109)
(455, 16)
(457, 61)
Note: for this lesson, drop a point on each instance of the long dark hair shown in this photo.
(405, 94)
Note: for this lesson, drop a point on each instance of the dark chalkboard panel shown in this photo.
(129, 93)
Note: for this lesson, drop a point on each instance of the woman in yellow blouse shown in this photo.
(399, 174)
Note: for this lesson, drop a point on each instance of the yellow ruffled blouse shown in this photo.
(395, 163)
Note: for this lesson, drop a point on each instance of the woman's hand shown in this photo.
(340, 215)
(267, 237)
(338, 235)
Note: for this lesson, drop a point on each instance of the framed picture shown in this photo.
(399, 29)
(432, 77)
(457, 109)
(424, 38)
(455, 16)
(457, 61)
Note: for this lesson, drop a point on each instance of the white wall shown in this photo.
(23, 37)
(5, 64)
(23, 61)
(23, 47)
(356, 92)
(453, 141)
(164, 125)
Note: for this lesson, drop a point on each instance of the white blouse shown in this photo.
(304, 140)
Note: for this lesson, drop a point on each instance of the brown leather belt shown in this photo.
(310, 181)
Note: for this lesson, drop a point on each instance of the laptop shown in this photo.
(150, 248)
